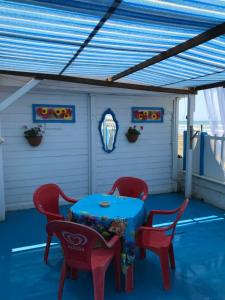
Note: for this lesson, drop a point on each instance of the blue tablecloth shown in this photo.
(123, 216)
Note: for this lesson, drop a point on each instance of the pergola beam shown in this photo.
(191, 43)
(98, 82)
(18, 94)
(210, 86)
(106, 16)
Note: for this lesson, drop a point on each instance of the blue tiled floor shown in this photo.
(199, 249)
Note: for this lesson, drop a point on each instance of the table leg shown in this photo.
(129, 279)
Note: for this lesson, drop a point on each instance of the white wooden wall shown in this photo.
(150, 158)
(63, 157)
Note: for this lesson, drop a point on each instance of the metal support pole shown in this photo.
(189, 144)
(2, 190)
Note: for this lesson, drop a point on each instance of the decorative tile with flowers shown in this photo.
(46, 113)
(147, 114)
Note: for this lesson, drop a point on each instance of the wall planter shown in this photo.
(133, 133)
(34, 141)
(34, 135)
(132, 138)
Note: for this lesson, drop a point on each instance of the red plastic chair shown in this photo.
(46, 201)
(85, 249)
(131, 187)
(159, 242)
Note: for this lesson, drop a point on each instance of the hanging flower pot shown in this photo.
(132, 137)
(34, 135)
(133, 133)
(34, 140)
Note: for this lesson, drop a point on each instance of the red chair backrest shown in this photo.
(77, 242)
(46, 200)
(179, 215)
(131, 187)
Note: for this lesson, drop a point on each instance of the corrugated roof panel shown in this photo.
(204, 61)
(29, 66)
(109, 60)
(190, 13)
(139, 30)
(201, 81)
(44, 35)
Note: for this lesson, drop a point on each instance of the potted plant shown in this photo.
(133, 133)
(34, 135)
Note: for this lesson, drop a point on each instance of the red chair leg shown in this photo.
(171, 255)
(117, 266)
(99, 283)
(48, 243)
(164, 260)
(129, 279)
(62, 280)
(142, 253)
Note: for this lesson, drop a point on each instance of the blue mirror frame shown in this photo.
(108, 111)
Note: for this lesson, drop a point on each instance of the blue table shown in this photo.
(123, 216)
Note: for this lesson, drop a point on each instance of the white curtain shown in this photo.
(215, 102)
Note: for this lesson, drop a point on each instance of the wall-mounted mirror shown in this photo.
(108, 128)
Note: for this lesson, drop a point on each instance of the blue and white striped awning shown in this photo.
(42, 36)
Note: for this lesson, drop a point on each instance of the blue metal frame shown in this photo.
(108, 111)
(133, 120)
(202, 153)
(72, 107)
(184, 149)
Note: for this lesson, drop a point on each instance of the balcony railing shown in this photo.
(208, 156)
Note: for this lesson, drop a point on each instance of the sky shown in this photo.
(200, 113)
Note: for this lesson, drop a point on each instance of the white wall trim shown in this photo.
(174, 143)
(18, 94)
(92, 143)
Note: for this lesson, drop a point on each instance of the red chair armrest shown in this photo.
(115, 239)
(146, 228)
(54, 216)
(112, 190)
(140, 233)
(160, 212)
(144, 197)
(68, 199)
(71, 200)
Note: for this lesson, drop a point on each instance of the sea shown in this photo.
(197, 126)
